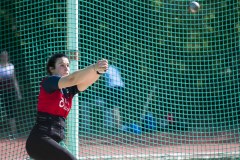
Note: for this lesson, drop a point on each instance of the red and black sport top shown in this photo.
(53, 100)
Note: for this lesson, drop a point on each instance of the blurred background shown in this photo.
(180, 70)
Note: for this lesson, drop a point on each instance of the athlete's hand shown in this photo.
(101, 66)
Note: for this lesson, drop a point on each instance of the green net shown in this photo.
(175, 73)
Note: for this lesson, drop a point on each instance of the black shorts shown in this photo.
(9, 104)
(43, 141)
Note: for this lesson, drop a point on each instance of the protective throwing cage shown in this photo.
(180, 72)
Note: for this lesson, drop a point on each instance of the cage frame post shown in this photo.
(72, 47)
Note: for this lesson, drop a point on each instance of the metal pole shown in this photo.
(72, 47)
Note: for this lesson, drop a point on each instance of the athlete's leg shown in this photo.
(45, 148)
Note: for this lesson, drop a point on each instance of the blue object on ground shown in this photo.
(134, 128)
(149, 122)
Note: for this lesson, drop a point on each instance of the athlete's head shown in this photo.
(58, 64)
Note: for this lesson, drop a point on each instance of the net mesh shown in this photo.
(176, 76)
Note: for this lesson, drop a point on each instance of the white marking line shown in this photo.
(177, 156)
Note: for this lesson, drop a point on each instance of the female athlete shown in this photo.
(54, 103)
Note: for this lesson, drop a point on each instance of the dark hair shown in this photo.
(52, 60)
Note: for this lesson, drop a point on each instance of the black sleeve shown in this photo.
(50, 84)
(74, 90)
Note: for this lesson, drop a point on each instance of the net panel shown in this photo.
(177, 96)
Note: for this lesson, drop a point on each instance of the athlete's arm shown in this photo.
(85, 77)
